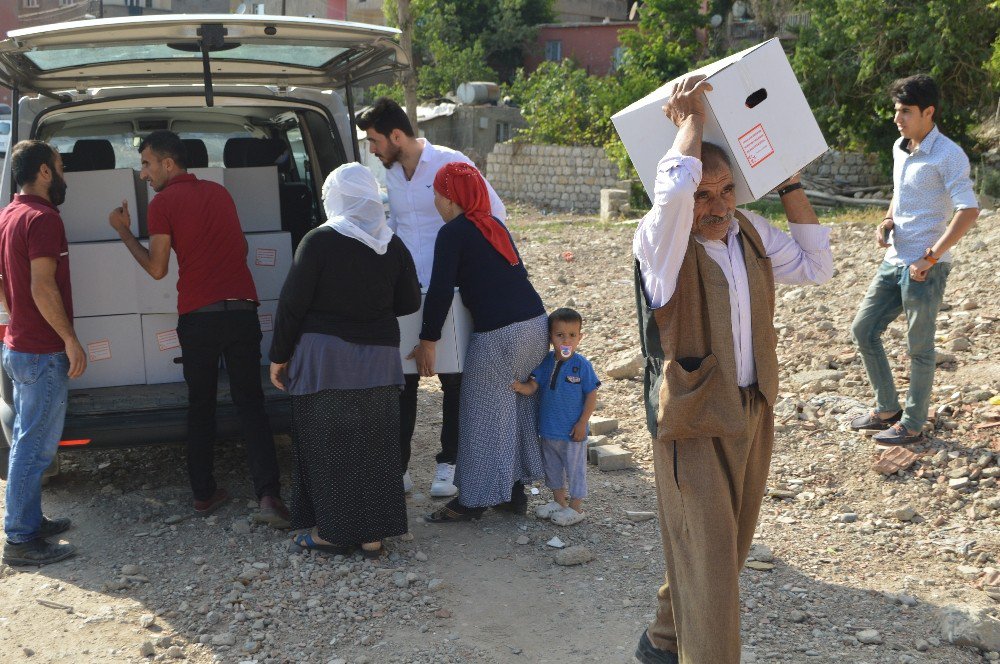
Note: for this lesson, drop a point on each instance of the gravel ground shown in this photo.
(850, 564)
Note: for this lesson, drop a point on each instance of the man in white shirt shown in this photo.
(411, 164)
(705, 275)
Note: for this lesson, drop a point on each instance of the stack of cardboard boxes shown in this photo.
(126, 320)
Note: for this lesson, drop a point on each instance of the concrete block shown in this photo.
(596, 441)
(611, 202)
(602, 425)
(611, 457)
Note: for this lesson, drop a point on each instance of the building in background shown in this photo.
(333, 9)
(590, 11)
(593, 46)
(365, 11)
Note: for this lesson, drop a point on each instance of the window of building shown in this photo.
(66, 3)
(616, 58)
(553, 50)
(503, 132)
(30, 4)
(258, 8)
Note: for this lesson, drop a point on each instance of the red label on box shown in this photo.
(266, 322)
(265, 257)
(99, 350)
(167, 340)
(756, 146)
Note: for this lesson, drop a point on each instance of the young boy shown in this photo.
(567, 398)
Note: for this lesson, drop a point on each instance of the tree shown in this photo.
(463, 40)
(852, 50)
(665, 44)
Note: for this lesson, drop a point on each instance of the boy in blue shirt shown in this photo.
(567, 398)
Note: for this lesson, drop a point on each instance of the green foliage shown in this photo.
(665, 44)
(394, 92)
(853, 49)
(563, 105)
(466, 40)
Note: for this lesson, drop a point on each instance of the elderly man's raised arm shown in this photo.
(662, 236)
(801, 256)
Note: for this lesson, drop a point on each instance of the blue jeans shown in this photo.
(893, 292)
(40, 392)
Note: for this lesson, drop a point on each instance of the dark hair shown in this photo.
(920, 91)
(26, 159)
(712, 156)
(165, 144)
(385, 116)
(565, 315)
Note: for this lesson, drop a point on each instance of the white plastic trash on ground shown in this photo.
(756, 112)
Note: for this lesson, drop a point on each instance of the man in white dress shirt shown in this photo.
(411, 164)
(705, 275)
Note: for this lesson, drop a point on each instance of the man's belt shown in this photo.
(226, 305)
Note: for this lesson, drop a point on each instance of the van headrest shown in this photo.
(245, 152)
(197, 153)
(91, 154)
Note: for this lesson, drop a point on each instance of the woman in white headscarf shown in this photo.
(336, 352)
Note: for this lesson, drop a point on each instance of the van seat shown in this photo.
(197, 153)
(91, 154)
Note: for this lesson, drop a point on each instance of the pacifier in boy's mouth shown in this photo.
(565, 352)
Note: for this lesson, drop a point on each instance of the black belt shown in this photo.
(226, 305)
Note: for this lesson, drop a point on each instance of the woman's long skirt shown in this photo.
(347, 480)
(498, 431)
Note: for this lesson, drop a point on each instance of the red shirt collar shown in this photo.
(31, 198)
(183, 177)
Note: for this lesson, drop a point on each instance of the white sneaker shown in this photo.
(443, 485)
(407, 482)
(547, 510)
(567, 516)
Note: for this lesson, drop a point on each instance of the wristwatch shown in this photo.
(929, 256)
(789, 189)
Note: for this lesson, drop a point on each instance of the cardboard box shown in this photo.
(756, 112)
(160, 347)
(269, 257)
(114, 351)
(266, 314)
(255, 191)
(212, 173)
(101, 279)
(451, 347)
(90, 198)
(154, 296)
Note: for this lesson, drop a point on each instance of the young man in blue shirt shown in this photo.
(931, 185)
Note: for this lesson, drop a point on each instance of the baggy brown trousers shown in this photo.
(712, 444)
(709, 492)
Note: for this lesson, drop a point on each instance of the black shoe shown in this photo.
(518, 503)
(872, 422)
(897, 434)
(455, 511)
(36, 552)
(52, 527)
(647, 653)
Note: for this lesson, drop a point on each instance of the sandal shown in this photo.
(373, 554)
(454, 511)
(306, 542)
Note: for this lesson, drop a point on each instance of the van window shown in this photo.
(4, 127)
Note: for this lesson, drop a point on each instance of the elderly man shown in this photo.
(705, 275)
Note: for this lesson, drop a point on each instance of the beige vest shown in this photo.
(691, 388)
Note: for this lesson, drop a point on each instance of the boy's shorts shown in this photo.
(565, 460)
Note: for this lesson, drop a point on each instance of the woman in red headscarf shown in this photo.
(498, 450)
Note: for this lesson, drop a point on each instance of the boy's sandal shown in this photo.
(448, 515)
(307, 543)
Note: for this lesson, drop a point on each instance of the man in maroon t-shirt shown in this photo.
(40, 349)
(217, 307)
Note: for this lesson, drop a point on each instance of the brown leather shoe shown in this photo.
(274, 513)
(206, 507)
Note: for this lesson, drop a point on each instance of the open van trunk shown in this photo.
(256, 100)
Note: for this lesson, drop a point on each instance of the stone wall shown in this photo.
(553, 177)
(847, 168)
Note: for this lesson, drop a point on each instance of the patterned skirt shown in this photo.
(498, 431)
(347, 479)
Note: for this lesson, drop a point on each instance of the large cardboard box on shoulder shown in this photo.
(100, 279)
(269, 256)
(113, 345)
(756, 112)
(90, 198)
(451, 347)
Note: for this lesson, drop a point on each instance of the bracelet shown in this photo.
(790, 188)
(886, 218)
(929, 256)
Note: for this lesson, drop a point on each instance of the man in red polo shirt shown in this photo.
(217, 307)
(40, 349)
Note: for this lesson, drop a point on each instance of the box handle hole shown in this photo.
(756, 98)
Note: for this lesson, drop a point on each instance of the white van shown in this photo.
(264, 106)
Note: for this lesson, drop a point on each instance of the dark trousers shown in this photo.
(451, 384)
(234, 336)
